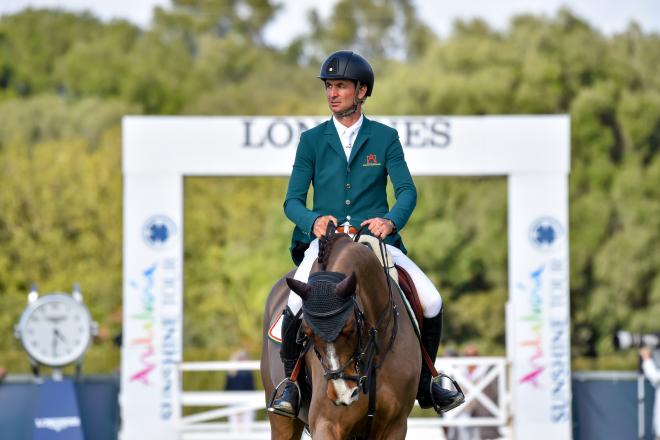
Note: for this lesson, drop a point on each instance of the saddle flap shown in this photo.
(410, 293)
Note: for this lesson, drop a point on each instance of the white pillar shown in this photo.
(539, 346)
(153, 315)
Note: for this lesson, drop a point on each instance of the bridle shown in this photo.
(364, 355)
(357, 356)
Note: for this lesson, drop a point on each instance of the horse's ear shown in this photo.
(347, 286)
(300, 288)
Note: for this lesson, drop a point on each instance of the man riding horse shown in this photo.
(347, 159)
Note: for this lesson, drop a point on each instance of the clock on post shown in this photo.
(55, 329)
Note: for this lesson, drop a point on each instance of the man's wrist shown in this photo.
(392, 224)
(314, 224)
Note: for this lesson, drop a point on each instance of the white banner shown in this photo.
(152, 327)
(539, 307)
(434, 145)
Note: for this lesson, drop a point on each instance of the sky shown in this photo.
(609, 16)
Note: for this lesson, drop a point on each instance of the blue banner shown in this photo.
(57, 416)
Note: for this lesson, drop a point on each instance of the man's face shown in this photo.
(341, 94)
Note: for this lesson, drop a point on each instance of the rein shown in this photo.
(373, 333)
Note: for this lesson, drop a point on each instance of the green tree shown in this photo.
(31, 43)
(377, 29)
(67, 79)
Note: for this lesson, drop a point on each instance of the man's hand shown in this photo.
(321, 225)
(379, 227)
(645, 353)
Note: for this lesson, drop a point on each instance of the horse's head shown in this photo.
(333, 324)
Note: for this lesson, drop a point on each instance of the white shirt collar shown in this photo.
(343, 130)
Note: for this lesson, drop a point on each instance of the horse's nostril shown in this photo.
(355, 393)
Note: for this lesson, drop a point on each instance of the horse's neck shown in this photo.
(373, 293)
(350, 257)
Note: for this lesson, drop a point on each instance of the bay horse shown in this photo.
(364, 381)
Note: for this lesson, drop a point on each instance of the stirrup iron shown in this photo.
(438, 380)
(273, 410)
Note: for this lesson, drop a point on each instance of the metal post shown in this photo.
(640, 405)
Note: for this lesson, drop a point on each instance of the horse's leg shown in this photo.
(283, 428)
(395, 430)
(327, 430)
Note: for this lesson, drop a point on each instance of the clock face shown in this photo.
(55, 330)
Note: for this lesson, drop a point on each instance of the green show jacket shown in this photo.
(353, 189)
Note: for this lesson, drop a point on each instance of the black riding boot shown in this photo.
(287, 404)
(442, 399)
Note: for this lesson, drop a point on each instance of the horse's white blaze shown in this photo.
(344, 392)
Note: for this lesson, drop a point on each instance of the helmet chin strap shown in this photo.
(347, 112)
(356, 103)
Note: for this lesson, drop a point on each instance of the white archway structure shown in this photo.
(533, 151)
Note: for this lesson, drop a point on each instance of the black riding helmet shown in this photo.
(348, 65)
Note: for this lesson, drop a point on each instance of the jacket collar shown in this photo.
(333, 138)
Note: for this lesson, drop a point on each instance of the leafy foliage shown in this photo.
(66, 79)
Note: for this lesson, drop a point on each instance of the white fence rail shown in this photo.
(483, 379)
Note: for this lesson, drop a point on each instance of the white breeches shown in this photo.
(429, 296)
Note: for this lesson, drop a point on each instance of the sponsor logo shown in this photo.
(371, 161)
(157, 353)
(57, 424)
(546, 233)
(543, 346)
(158, 231)
(144, 319)
(285, 132)
(531, 320)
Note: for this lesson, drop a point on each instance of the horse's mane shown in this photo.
(326, 244)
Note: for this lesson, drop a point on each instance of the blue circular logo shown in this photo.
(158, 231)
(545, 233)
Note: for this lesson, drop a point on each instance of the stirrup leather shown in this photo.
(438, 380)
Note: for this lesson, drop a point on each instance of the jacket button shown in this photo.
(348, 186)
(348, 202)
